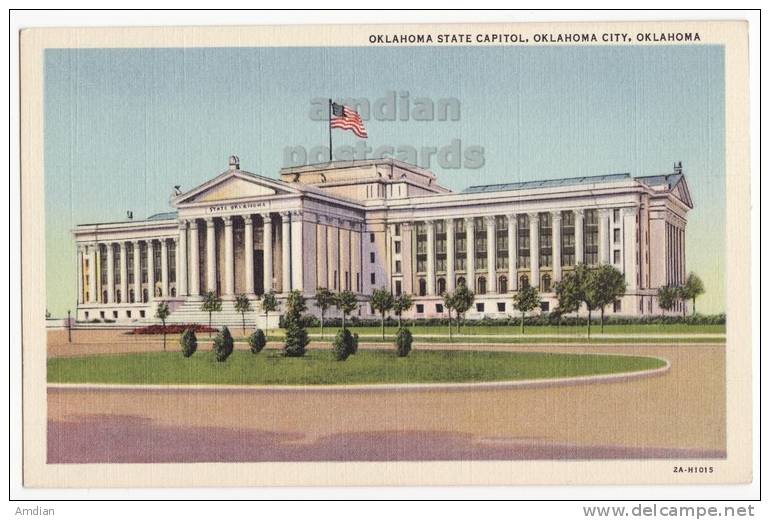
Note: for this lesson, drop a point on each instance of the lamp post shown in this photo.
(69, 327)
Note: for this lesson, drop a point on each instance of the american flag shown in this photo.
(346, 118)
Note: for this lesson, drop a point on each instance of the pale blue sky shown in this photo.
(123, 126)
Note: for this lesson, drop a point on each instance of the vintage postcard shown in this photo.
(484, 254)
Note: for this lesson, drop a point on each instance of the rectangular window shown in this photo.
(616, 215)
(616, 306)
(371, 238)
(616, 235)
(397, 246)
(591, 237)
(420, 308)
(115, 314)
(398, 266)
(522, 222)
(545, 306)
(141, 314)
(358, 282)
(398, 287)
(479, 307)
(371, 258)
(500, 306)
(397, 230)
(545, 239)
(128, 314)
(371, 278)
(616, 256)
(439, 308)
(336, 283)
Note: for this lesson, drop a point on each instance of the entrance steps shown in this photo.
(190, 312)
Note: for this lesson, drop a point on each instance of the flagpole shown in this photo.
(330, 130)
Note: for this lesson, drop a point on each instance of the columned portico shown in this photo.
(470, 255)
(110, 273)
(211, 259)
(285, 251)
(556, 245)
(229, 286)
(248, 253)
(513, 255)
(491, 254)
(123, 274)
(579, 249)
(534, 250)
(430, 226)
(181, 261)
(195, 287)
(267, 234)
(151, 269)
(449, 225)
(137, 271)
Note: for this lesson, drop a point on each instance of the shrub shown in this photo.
(189, 342)
(354, 346)
(257, 341)
(403, 342)
(342, 345)
(172, 329)
(223, 344)
(296, 335)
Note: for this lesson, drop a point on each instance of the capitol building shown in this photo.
(363, 225)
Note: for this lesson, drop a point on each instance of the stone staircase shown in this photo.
(190, 312)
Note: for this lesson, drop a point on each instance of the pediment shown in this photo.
(682, 192)
(234, 185)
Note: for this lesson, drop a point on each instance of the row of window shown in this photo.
(157, 262)
(501, 307)
(481, 284)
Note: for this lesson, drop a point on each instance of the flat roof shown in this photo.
(548, 183)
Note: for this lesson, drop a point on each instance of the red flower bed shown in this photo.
(172, 329)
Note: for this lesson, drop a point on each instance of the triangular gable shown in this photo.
(234, 185)
(682, 192)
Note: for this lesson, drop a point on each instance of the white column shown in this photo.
(137, 272)
(181, 260)
(195, 285)
(164, 267)
(267, 255)
(628, 247)
(491, 255)
(322, 275)
(151, 269)
(92, 274)
(229, 270)
(513, 252)
(123, 274)
(556, 245)
(110, 273)
(534, 250)
(298, 252)
(470, 254)
(248, 253)
(333, 254)
(431, 273)
(449, 225)
(286, 251)
(355, 251)
(79, 268)
(604, 236)
(579, 252)
(211, 258)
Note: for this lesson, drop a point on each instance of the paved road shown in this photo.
(679, 414)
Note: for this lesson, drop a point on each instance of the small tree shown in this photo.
(667, 297)
(243, 305)
(401, 304)
(449, 303)
(324, 299)
(526, 300)
(346, 302)
(381, 301)
(211, 303)
(342, 346)
(223, 344)
(257, 341)
(567, 294)
(296, 335)
(162, 313)
(605, 285)
(269, 304)
(692, 288)
(188, 342)
(463, 300)
(403, 342)
(575, 289)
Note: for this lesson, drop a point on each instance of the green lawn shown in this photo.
(319, 367)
